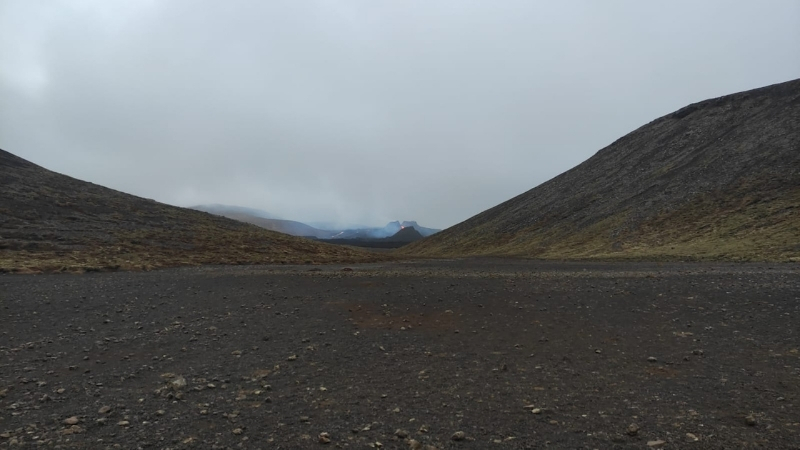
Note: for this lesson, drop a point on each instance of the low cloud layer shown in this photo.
(362, 111)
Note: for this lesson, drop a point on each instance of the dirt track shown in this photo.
(273, 356)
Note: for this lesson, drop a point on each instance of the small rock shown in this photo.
(71, 420)
(632, 430)
(691, 437)
(652, 359)
(104, 410)
(536, 410)
(75, 429)
(178, 383)
(423, 429)
(324, 438)
(751, 420)
(304, 419)
(292, 358)
(458, 436)
(123, 423)
(238, 431)
(414, 445)
(656, 444)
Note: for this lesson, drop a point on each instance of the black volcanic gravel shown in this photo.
(514, 354)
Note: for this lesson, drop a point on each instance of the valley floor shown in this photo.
(513, 354)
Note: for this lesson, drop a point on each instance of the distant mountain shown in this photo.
(51, 222)
(425, 232)
(294, 228)
(388, 230)
(327, 225)
(406, 234)
(282, 226)
(718, 179)
(225, 210)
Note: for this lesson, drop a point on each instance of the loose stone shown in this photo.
(324, 438)
(71, 420)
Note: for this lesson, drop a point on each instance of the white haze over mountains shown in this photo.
(362, 111)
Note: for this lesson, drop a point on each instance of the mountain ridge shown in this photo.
(302, 229)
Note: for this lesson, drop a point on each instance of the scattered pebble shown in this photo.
(632, 430)
(71, 420)
(458, 436)
(178, 383)
(656, 444)
(324, 438)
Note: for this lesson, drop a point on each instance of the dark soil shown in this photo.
(274, 356)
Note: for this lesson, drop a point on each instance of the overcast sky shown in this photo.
(362, 111)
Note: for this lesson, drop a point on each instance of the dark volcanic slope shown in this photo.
(719, 179)
(50, 221)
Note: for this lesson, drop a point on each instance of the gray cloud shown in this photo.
(362, 111)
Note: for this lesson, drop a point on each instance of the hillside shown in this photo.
(718, 179)
(222, 210)
(291, 227)
(51, 222)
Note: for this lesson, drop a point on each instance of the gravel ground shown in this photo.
(475, 354)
